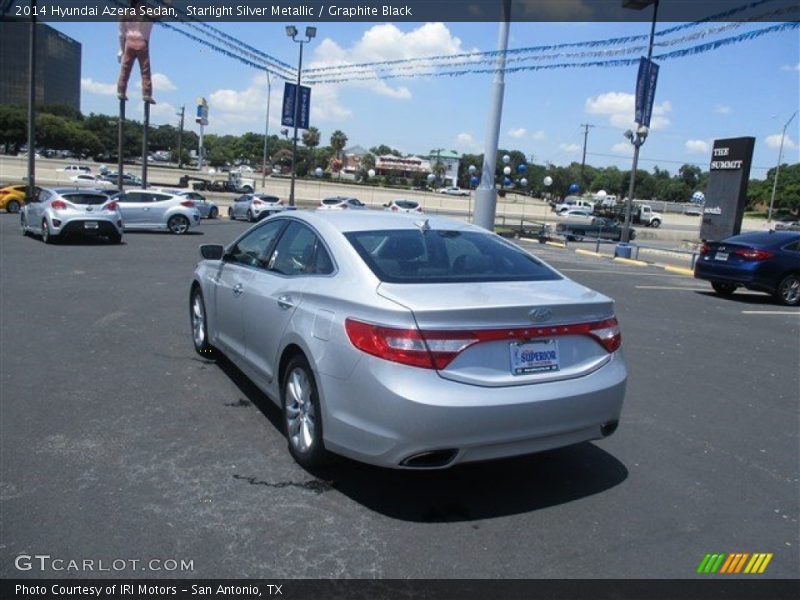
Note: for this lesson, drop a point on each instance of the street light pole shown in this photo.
(32, 106)
(291, 31)
(180, 137)
(778, 168)
(266, 135)
(486, 194)
(638, 137)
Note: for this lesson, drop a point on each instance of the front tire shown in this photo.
(250, 218)
(723, 289)
(302, 418)
(178, 224)
(788, 292)
(24, 226)
(655, 223)
(199, 322)
(12, 207)
(230, 214)
(213, 213)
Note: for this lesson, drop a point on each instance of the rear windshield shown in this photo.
(414, 256)
(406, 204)
(330, 201)
(86, 199)
(268, 198)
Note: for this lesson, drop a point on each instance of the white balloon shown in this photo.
(506, 159)
(523, 182)
(371, 172)
(318, 171)
(507, 170)
(472, 169)
(602, 194)
(548, 181)
(431, 178)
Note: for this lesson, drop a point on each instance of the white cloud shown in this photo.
(246, 108)
(160, 113)
(697, 146)
(774, 142)
(540, 136)
(791, 67)
(622, 148)
(723, 109)
(517, 133)
(161, 83)
(465, 142)
(620, 109)
(569, 147)
(95, 87)
(383, 42)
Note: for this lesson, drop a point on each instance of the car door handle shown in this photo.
(237, 290)
(285, 302)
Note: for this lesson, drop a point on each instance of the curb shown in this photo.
(589, 253)
(556, 244)
(630, 261)
(679, 270)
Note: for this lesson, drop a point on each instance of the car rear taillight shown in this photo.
(256, 202)
(753, 254)
(111, 206)
(188, 203)
(418, 209)
(394, 209)
(280, 202)
(431, 350)
(705, 249)
(343, 206)
(59, 205)
(437, 349)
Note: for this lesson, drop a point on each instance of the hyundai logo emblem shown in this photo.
(540, 314)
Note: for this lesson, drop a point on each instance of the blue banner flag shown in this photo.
(646, 91)
(303, 108)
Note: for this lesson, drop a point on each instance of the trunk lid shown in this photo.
(515, 320)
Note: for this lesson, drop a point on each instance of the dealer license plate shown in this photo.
(721, 256)
(534, 357)
(90, 225)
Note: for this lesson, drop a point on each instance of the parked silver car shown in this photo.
(207, 209)
(254, 207)
(341, 203)
(60, 212)
(148, 209)
(409, 342)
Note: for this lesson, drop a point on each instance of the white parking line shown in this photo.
(771, 312)
(638, 273)
(674, 287)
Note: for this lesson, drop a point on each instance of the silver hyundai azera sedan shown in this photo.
(409, 342)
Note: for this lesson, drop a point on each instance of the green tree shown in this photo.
(338, 143)
(13, 126)
(311, 138)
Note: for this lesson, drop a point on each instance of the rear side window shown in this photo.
(86, 199)
(414, 256)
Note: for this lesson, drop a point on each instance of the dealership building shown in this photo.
(58, 66)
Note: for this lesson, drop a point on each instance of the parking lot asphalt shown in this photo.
(118, 441)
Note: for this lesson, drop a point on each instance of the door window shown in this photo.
(253, 249)
(299, 252)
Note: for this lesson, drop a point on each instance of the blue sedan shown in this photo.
(763, 261)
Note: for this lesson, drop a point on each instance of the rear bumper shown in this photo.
(77, 227)
(745, 275)
(385, 413)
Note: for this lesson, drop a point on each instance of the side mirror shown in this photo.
(212, 251)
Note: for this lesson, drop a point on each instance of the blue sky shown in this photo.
(749, 88)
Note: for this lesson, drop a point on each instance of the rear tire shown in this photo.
(230, 214)
(213, 213)
(250, 218)
(723, 289)
(302, 418)
(47, 237)
(178, 224)
(12, 207)
(788, 292)
(199, 322)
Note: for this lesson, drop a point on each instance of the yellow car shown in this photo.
(12, 197)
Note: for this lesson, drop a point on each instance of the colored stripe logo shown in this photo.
(735, 563)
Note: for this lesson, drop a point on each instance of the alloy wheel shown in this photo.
(300, 414)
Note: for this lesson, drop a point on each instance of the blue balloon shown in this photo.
(522, 168)
(474, 180)
(574, 188)
(506, 181)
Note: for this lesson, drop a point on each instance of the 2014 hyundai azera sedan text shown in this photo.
(409, 342)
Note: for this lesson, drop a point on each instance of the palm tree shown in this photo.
(338, 142)
(311, 138)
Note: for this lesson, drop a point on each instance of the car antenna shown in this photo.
(423, 225)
